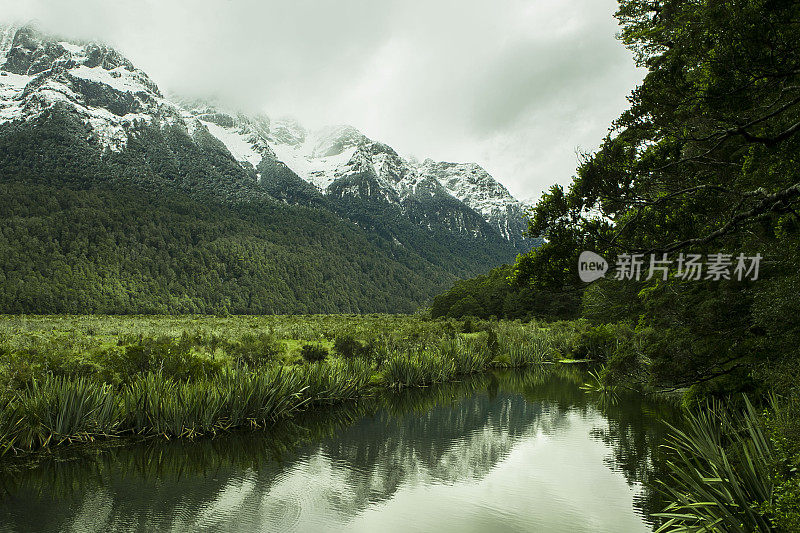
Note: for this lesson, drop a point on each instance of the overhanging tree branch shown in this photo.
(777, 202)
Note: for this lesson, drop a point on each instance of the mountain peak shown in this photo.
(115, 99)
(333, 140)
(287, 131)
(106, 90)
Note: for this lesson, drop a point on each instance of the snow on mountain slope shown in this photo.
(471, 184)
(6, 40)
(334, 153)
(105, 89)
(287, 131)
(319, 171)
(319, 157)
(38, 72)
(245, 137)
(236, 143)
(326, 156)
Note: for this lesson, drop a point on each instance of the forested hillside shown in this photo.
(118, 199)
(170, 226)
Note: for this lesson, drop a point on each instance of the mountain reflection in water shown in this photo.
(505, 451)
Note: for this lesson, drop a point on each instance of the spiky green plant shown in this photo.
(60, 409)
(257, 398)
(157, 405)
(524, 347)
(719, 473)
(326, 382)
(418, 367)
(596, 384)
(9, 423)
(469, 355)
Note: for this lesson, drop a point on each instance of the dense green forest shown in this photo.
(497, 294)
(107, 251)
(704, 161)
(172, 224)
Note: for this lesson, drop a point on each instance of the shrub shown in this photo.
(255, 350)
(783, 427)
(492, 343)
(313, 352)
(173, 358)
(347, 347)
(597, 343)
(719, 472)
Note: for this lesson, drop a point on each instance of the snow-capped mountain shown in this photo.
(471, 184)
(342, 161)
(117, 101)
(99, 84)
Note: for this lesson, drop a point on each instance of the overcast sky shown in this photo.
(517, 86)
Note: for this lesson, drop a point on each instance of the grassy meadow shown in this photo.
(78, 378)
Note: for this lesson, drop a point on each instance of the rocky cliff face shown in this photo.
(103, 88)
(471, 184)
(117, 101)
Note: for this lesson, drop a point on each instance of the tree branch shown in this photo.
(778, 201)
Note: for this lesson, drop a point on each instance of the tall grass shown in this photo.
(9, 421)
(469, 355)
(160, 406)
(420, 366)
(416, 367)
(329, 382)
(256, 399)
(57, 408)
(232, 399)
(523, 347)
(184, 377)
(719, 473)
(157, 405)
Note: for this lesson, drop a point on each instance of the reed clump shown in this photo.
(420, 366)
(719, 472)
(520, 347)
(58, 409)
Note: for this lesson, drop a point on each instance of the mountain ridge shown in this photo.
(114, 97)
(81, 117)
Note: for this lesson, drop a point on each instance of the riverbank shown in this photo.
(78, 379)
(68, 379)
(488, 442)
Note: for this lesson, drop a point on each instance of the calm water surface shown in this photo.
(500, 452)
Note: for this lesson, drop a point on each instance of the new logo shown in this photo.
(591, 266)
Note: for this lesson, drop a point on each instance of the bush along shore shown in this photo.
(77, 379)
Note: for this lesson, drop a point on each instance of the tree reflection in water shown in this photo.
(328, 468)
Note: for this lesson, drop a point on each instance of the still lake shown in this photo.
(503, 451)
